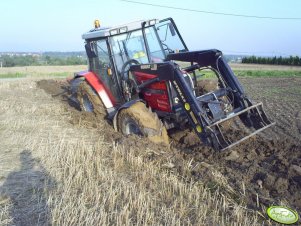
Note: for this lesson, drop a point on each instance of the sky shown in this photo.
(57, 25)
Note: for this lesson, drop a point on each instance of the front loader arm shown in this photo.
(204, 114)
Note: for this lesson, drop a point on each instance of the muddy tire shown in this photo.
(140, 120)
(89, 101)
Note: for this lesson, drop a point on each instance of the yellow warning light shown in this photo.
(187, 106)
(199, 128)
(109, 71)
(96, 23)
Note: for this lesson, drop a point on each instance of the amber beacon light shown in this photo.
(96, 23)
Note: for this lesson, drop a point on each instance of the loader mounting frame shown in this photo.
(209, 129)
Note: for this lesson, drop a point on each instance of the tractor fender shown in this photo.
(103, 93)
(124, 106)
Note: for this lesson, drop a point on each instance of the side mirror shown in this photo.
(90, 51)
(172, 29)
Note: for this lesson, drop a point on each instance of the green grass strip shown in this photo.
(13, 75)
(257, 73)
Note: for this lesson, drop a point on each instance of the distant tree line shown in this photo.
(292, 60)
(33, 60)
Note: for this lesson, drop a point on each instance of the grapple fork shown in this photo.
(255, 119)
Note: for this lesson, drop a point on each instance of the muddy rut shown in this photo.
(261, 171)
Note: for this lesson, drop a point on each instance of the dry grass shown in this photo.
(40, 71)
(57, 173)
(44, 71)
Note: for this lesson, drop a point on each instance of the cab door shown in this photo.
(101, 65)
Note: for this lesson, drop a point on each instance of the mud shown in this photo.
(261, 171)
(56, 88)
(257, 167)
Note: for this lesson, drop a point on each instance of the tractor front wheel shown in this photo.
(141, 121)
(89, 100)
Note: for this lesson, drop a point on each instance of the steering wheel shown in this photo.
(125, 68)
(129, 85)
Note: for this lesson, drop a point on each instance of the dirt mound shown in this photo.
(267, 170)
(53, 87)
(257, 172)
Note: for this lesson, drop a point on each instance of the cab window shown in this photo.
(169, 37)
(100, 65)
(156, 52)
(129, 46)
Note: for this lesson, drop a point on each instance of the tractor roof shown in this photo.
(109, 31)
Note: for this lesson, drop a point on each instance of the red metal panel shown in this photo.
(103, 92)
(157, 95)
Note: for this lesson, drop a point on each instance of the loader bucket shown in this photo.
(252, 118)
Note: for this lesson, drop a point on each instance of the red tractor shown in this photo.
(143, 78)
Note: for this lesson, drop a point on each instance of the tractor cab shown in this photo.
(111, 51)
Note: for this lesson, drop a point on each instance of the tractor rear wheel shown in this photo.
(89, 100)
(141, 121)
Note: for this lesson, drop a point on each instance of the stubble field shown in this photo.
(61, 166)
